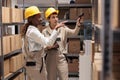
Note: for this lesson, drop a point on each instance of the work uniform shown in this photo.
(56, 62)
(33, 47)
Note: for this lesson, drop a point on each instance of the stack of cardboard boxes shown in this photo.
(12, 15)
(13, 64)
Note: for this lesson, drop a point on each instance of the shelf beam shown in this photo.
(13, 75)
(74, 5)
(12, 53)
(73, 74)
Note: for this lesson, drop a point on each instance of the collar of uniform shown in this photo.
(50, 30)
(33, 27)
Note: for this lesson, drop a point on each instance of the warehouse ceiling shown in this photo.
(36, 2)
(42, 3)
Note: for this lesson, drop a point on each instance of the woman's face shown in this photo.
(37, 20)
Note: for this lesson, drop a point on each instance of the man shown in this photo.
(55, 60)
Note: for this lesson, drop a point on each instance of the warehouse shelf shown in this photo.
(74, 74)
(74, 5)
(12, 53)
(40, 6)
(73, 55)
(75, 37)
(11, 76)
(69, 21)
(16, 23)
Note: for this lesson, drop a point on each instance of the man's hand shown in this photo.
(80, 21)
(56, 45)
(61, 24)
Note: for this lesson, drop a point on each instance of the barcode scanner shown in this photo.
(82, 14)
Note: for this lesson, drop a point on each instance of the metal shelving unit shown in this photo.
(19, 23)
(74, 74)
(7, 56)
(107, 37)
(13, 75)
(106, 40)
(74, 5)
(12, 54)
(72, 55)
(72, 22)
(1, 48)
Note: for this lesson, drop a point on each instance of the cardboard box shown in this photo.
(95, 11)
(63, 13)
(17, 40)
(116, 67)
(100, 12)
(16, 62)
(97, 69)
(12, 43)
(21, 76)
(116, 47)
(13, 64)
(8, 44)
(22, 59)
(115, 75)
(6, 67)
(8, 3)
(21, 14)
(4, 45)
(83, 1)
(115, 14)
(74, 45)
(16, 15)
(73, 13)
(98, 56)
(87, 13)
(73, 65)
(116, 59)
(5, 15)
(13, 15)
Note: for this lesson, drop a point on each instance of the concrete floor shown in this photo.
(72, 78)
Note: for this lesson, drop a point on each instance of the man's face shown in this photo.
(53, 19)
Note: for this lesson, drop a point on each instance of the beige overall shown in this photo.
(56, 63)
(37, 72)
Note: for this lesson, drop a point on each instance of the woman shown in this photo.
(34, 43)
(55, 59)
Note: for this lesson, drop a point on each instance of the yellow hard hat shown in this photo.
(30, 11)
(49, 11)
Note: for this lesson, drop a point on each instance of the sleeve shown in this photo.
(44, 32)
(72, 31)
(23, 45)
(39, 38)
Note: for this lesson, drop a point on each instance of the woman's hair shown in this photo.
(25, 27)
